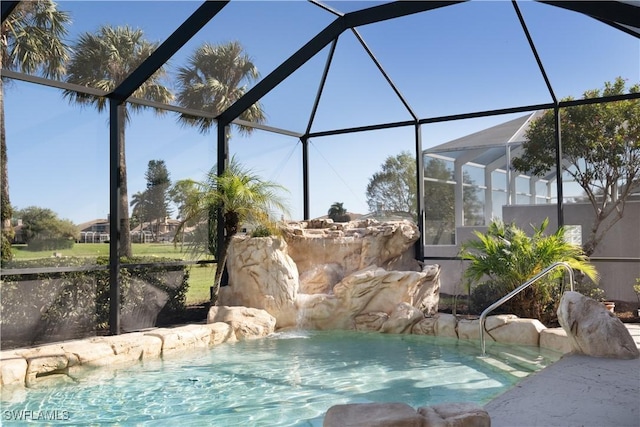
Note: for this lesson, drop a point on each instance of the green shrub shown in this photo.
(49, 244)
(505, 257)
(262, 231)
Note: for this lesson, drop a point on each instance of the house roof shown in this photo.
(91, 223)
(488, 147)
(510, 132)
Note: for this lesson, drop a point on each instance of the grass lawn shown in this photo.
(200, 276)
(200, 280)
(102, 249)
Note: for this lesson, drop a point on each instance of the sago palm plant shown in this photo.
(505, 257)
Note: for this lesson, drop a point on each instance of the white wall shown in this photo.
(621, 241)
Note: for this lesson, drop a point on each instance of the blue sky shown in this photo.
(459, 59)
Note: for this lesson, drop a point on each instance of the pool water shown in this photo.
(288, 379)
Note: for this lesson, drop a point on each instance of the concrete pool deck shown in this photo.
(577, 390)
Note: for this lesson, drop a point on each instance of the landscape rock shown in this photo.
(373, 415)
(221, 332)
(456, 415)
(327, 277)
(426, 326)
(402, 415)
(181, 338)
(370, 321)
(593, 330)
(517, 331)
(446, 325)
(402, 319)
(555, 339)
(134, 346)
(13, 368)
(247, 323)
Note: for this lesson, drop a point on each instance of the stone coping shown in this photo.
(30, 367)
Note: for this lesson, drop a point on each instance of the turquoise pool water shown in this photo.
(289, 379)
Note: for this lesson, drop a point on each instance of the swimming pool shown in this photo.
(288, 379)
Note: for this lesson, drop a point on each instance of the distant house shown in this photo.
(155, 231)
(96, 231)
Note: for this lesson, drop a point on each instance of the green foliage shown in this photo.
(262, 231)
(43, 230)
(214, 78)
(394, 187)
(33, 39)
(636, 288)
(338, 213)
(7, 252)
(505, 257)
(601, 145)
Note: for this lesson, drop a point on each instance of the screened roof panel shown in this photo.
(155, 20)
(271, 32)
(465, 57)
(356, 92)
(579, 52)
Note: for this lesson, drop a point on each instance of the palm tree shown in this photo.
(337, 211)
(103, 60)
(214, 78)
(241, 195)
(139, 209)
(32, 42)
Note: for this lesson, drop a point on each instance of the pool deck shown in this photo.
(575, 391)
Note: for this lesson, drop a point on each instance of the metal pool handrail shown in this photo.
(525, 285)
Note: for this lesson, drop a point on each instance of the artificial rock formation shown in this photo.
(320, 275)
(400, 414)
(593, 330)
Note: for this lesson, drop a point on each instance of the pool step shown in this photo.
(519, 361)
(500, 365)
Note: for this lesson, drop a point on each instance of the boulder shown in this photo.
(354, 245)
(13, 368)
(426, 326)
(555, 339)
(370, 321)
(373, 415)
(446, 325)
(247, 323)
(402, 319)
(134, 346)
(517, 331)
(402, 415)
(262, 275)
(593, 330)
(461, 414)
